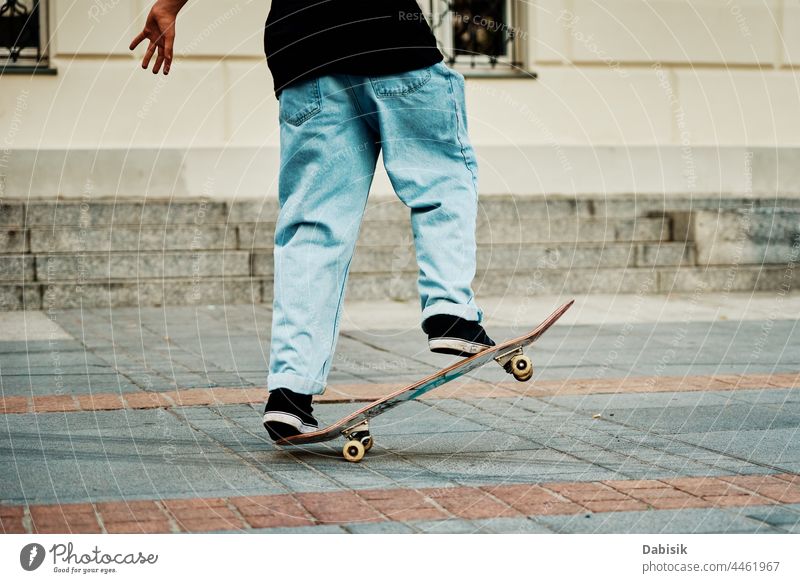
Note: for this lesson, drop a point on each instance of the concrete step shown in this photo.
(374, 258)
(126, 265)
(110, 211)
(261, 235)
(636, 280)
(16, 268)
(248, 236)
(105, 212)
(190, 212)
(14, 240)
(398, 286)
(146, 264)
(140, 238)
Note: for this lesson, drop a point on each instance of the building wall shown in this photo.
(666, 96)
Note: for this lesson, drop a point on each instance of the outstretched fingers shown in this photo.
(151, 49)
(169, 42)
(136, 41)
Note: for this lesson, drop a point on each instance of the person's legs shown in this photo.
(328, 157)
(432, 167)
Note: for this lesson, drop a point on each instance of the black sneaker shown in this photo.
(453, 335)
(288, 413)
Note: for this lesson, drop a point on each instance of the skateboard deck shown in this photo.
(355, 427)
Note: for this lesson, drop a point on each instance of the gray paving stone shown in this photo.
(317, 529)
(451, 526)
(710, 418)
(615, 403)
(695, 521)
(785, 516)
(117, 454)
(8, 349)
(378, 528)
(777, 447)
(769, 397)
(511, 526)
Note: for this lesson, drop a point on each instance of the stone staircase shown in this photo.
(90, 253)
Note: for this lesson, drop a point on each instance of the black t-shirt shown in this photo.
(309, 38)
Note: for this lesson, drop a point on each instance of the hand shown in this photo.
(159, 29)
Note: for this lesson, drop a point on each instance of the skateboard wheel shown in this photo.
(353, 451)
(521, 368)
(367, 442)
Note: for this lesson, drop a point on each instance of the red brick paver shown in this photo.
(403, 505)
(469, 503)
(272, 511)
(338, 507)
(342, 507)
(372, 391)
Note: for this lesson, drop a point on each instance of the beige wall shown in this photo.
(726, 76)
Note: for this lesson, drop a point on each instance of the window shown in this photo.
(23, 35)
(479, 35)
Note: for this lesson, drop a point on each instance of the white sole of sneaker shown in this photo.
(288, 419)
(456, 344)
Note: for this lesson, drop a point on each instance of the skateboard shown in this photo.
(355, 427)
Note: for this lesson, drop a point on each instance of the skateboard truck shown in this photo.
(516, 363)
(359, 441)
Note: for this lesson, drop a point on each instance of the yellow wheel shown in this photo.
(367, 442)
(522, 368)
(353, 451)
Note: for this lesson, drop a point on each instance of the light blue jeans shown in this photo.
(332, 130)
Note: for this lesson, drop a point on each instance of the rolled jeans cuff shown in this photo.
(295, 383)
(468, 312)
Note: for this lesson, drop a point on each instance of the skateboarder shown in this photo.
(355, 78)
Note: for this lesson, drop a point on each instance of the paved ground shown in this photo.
(646, 414)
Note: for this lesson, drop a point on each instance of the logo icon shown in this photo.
(31, 556)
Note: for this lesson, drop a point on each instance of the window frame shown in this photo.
(27, 64)
(514, 63)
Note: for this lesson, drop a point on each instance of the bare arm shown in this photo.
(159, 29)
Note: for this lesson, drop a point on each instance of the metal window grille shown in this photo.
(478, 34)
(23, 33)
